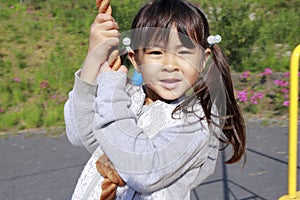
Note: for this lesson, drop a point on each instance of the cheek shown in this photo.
(193, 78)
(192, 74)
(150, 71)
(196, 63)
(148, 74)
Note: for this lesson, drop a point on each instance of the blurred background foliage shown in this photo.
(256, 33)
(43, 42)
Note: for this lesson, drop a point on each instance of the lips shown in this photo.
(171, 83)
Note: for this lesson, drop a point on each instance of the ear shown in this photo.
(134, 60)
(207, 54)
(206, 57)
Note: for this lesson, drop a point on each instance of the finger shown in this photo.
(123, 69)
(113, 56)
(102, 17)
(104, 47)
(101, 35)
(107, 25)
(104, 68)
(112, 33)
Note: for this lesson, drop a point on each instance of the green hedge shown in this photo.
(256, 34)
(43, 42)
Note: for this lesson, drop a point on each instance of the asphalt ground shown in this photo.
(38, 167)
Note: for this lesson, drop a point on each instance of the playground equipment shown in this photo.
(293, 128)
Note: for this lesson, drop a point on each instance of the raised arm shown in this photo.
(79, 109)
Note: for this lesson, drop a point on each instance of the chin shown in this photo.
(169, 98)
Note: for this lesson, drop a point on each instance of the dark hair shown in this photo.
(191, 21)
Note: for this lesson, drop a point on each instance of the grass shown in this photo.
(40, 50)
(42, 45)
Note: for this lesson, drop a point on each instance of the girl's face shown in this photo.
(169, 70)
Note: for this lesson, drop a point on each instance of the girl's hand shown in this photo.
(104, 35)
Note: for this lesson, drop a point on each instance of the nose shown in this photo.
(170, 63)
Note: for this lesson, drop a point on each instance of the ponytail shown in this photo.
(234, 125)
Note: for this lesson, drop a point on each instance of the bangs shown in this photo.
(182, 16)
(148, 37)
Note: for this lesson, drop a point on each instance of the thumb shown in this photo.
(105, 67)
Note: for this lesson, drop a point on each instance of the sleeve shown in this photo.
(146, 164)
(79, 112)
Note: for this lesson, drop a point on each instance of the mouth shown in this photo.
(170, 83)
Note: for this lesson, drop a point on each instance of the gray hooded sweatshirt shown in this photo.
(157, 154)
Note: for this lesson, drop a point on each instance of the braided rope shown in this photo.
(103, 165)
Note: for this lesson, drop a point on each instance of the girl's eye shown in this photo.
(155, 52)
(184, 52)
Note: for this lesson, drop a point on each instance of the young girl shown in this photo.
(162, 138)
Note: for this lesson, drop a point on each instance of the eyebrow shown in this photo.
(180, 46)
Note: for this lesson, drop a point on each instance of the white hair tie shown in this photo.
(214, 39)
(126, 42)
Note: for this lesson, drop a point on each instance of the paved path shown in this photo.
(47, 168)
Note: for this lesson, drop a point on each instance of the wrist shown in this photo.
(87, 76)
(90, 69)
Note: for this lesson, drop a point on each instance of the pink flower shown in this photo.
(1, 110)
(16, 79)
(44, 84)
(254, 101)
(287, 74)
(245, 74)
(286, 103)
(259, 95)
(281, 83)
(285, 90)
(267, 71)
(242, 96)
(255, 97)
(277, 82)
